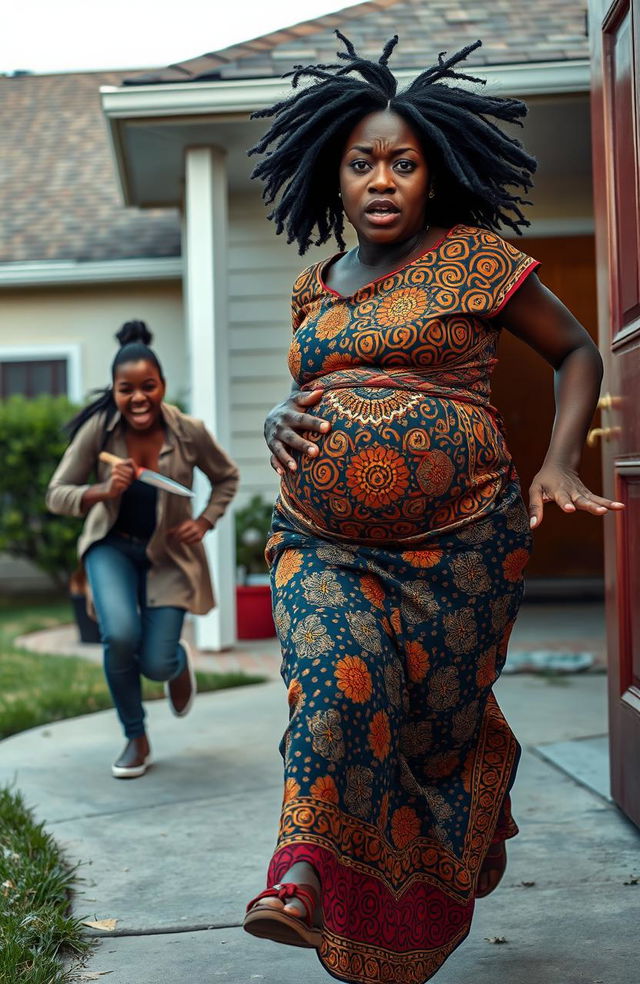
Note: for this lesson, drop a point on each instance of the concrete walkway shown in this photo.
(174, 856)
(566, 629)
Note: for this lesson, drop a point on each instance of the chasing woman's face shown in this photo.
(384, 179)
(138, 391)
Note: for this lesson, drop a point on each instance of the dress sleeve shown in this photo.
(506, 268)
(303, 293)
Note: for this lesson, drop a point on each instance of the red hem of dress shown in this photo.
(514, 287)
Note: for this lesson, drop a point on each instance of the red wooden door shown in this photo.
(615, 51)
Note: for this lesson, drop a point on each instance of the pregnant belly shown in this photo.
(395, 465)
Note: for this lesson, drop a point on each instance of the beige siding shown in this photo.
(89, 317)
(262, 269)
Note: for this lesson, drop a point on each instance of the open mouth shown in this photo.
(140, 414)
(382, 207)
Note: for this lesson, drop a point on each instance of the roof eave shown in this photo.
(248, 95)
(56, 273)
(243, 96)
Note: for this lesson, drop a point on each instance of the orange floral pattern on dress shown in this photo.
(377, 476)
(291, 790)
(295, 358)
(486, 672)
(417, 661)
(435, 473)
(396, 621)
(405, 826)
(354, 679)
(338, 360)
(325, 789)
(294, 693)
(422, 558)
(289, 563)
(380, 735)
(383, 816)
(333, 322)
(467, 769)
(402, 306)
(514, 564)
(372, 589)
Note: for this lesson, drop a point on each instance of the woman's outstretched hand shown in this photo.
(285, 425)
(563, 486)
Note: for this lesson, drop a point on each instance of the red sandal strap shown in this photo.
(289, 890)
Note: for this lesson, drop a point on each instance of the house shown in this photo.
(192, 253)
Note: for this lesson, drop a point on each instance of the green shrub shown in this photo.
(253, 523)
(31, 444)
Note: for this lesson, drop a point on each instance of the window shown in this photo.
(33, 378)
(39, 370)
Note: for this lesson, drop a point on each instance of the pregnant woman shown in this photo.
(400, 535)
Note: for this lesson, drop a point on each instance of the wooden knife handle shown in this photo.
(110, 459)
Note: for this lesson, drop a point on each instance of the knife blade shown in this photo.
(149, 476)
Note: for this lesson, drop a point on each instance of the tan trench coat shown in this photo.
(179, 574)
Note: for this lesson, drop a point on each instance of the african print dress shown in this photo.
(397, 556)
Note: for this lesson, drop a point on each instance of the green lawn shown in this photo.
(36, 929)
(36, 689)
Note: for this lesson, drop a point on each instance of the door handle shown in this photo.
(607, 433)
(608, 402)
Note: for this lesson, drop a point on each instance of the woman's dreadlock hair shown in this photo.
(477, 168)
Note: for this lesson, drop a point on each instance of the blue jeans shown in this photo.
(136, 639)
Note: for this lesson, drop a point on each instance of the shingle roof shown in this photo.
(511, 31)
(58, 191)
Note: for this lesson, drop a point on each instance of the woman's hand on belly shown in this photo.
(285, 426)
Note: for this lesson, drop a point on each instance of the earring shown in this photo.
(432, 193)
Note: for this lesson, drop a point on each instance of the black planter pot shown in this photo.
(87, 628)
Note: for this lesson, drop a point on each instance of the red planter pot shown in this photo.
(253, 612)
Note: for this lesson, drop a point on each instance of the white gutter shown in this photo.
(54, 273)
(247, 95)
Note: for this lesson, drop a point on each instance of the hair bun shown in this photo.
(134, 331)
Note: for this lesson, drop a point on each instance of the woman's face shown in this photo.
(384, 179)
(138, 392)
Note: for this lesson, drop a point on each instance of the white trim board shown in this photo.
(247, 95)
(51, 273)
(37, 353)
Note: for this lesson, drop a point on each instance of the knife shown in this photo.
(150, 477)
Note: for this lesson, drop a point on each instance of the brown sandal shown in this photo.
(495, 863)
(275, 924)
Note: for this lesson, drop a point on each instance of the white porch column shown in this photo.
(205, 294)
